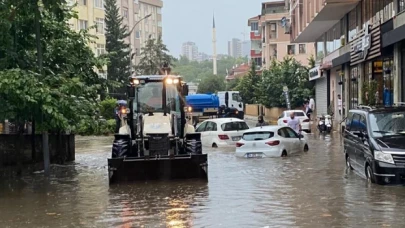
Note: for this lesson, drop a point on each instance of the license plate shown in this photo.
(236, 138)
(254, 155)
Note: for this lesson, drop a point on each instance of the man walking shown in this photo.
(261, 122)
(294, 123)
(339, 105)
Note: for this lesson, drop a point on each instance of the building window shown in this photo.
(125, 12)
(100, 49)
(159, 10)
(136, 1)
(99, 25)
(354, 87)
(273, 31)
(291, 49)
(99, 4)
(160, 24)
(254, 26)
(320, 48)
(82, 25)
(138, 34)
(401, 5)
(83, 2)
(302, 48)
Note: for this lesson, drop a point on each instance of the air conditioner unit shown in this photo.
(287, 29)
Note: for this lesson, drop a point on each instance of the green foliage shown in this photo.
(153, 56)
(66, 90)
(248, 86)
(194, 71)
(212, 84)
(311, 61)
(288, 73)
(107, 107)
(118, 51)
(100, 127)
(233, 84)
(369, 91)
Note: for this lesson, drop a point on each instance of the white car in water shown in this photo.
(270, 141)
(299, 114)
(221, 132)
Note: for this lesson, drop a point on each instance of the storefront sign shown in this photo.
(367, 45)
(315, 73)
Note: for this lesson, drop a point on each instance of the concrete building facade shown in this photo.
(190, 51)
(270, 36)
(358, 43)
(235, 48)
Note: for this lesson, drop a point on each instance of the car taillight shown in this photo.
(238, 144)
(223, 137)
(273, 143)
(306, 121)
(285, 121)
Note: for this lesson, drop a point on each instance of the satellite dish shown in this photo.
(283, 22)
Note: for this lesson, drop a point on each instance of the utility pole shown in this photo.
(45, 137)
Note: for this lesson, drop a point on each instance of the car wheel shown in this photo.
(284, 153)
(306, 148)
(369, 174)
(348, 163)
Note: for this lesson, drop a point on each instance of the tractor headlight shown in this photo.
(175, 81)
(169, 81)
(135, 81)
(189, 109)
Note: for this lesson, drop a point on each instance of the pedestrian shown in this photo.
(294, 123)
(261, 122)
(308, 109)
(312, 104)
(339, 105)
(117, 118)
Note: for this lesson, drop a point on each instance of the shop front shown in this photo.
(321, 89)
(371, 80)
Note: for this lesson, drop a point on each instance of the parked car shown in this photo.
(299, 114)
(374, 143)
(270, 141)
(221, 132)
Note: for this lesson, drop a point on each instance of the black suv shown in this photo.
(374, 143)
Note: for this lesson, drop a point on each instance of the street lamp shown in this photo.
(130, 40)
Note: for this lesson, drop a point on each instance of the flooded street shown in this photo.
(312, 189)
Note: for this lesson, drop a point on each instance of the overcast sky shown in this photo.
(191, 20)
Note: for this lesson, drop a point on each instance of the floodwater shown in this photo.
(312, 189)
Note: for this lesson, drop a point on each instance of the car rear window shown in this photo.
(255, 136)
(296, 113)
(234, 126)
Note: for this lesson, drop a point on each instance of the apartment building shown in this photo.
(235, 48)
(357, 42)
(270, 36)
(190, 51)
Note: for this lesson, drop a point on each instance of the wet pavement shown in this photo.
(311, 189)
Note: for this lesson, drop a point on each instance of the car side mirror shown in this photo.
(240, 105)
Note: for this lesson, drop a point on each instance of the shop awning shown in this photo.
(393, 36)
(345, 58)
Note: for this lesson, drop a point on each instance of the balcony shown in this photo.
(255, 35)
(329, 14)
(255, 53)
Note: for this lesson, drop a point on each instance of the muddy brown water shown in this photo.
(311, 189)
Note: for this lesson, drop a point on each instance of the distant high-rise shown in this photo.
(235, 48)
(214, 47)
(190, 51)
(246, 45)
(202, 57)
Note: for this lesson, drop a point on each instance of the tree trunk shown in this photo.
(33, 150)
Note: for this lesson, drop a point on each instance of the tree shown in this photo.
(153, 56)
(249, 85)
(212, 84)
(288, 73)
(118, 51)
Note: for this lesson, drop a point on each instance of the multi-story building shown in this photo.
(270, 36)
(235, 48)
(202, 57)
(90, 13)
(190, 51)
(358, 42)
(151, 26)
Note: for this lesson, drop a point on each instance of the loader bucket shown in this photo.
(162, 168)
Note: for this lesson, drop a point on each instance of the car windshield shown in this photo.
(150, 98)
(234, 126)
(387, 123)
(298, 114)
(254, 136)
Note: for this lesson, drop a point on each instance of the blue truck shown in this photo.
(220, 105)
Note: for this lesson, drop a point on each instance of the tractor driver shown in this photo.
(156, 100)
